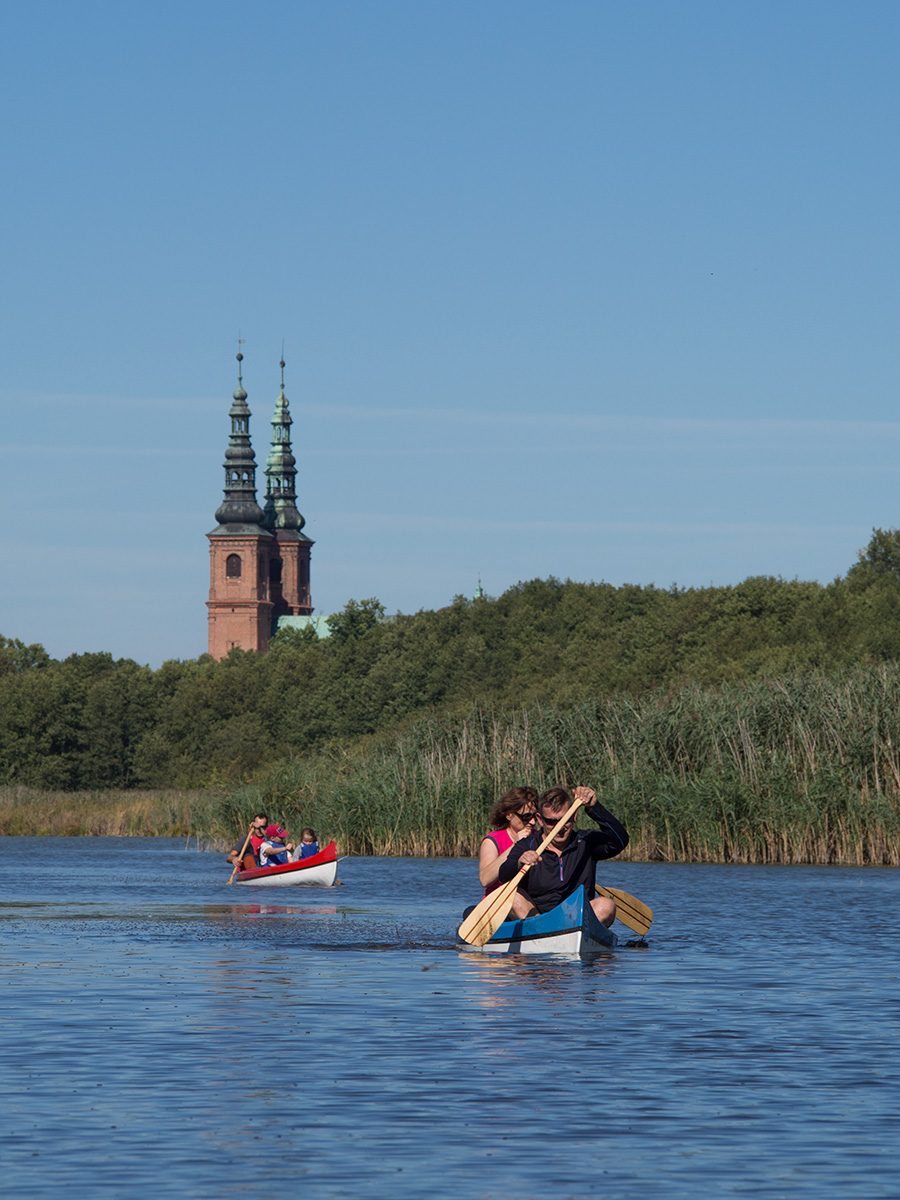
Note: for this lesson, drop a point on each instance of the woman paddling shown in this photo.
(512, 818)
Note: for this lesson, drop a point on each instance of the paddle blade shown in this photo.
(629, 910)
(486, 917)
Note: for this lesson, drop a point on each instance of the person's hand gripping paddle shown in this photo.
(237, 865)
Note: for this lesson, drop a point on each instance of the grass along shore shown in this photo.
(29, 812)
(799, 769)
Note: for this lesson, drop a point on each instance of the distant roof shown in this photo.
(319, 624)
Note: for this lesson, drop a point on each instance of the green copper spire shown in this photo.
(281, 471)
(239, 512)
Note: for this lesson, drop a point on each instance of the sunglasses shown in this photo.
(552, 820)
(526, 816)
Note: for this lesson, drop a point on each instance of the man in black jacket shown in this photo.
(570, 861)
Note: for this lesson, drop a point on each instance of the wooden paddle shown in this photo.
(486, 918)
(629, 910)
(237, 865)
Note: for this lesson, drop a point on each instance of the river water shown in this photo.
(165, 1035)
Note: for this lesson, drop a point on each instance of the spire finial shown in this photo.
(239, 356)
(281, 364)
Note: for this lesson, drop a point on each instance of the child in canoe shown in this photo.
(309, 844)
(273, 850)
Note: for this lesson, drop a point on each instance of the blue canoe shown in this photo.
(570, 928)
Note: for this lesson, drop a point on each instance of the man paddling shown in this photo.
(257, 832)
(570, 861)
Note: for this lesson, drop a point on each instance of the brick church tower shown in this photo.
(258, 561)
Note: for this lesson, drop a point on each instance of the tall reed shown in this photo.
(115, 813)
(804, 768)
(799, 769)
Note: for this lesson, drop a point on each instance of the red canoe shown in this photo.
(318, 870)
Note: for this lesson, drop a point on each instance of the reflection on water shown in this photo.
(517, 978)
(262, 909)
(161, 1039)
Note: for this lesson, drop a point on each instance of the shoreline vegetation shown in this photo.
(754, 723)
(798, 769)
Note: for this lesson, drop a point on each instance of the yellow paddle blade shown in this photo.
(629, 910)
(487, 916)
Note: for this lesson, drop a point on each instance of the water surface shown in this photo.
(167, 1035)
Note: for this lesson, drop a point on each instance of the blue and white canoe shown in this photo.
(570, 928)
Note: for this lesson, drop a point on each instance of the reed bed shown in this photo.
(28, 812)
(801, 769)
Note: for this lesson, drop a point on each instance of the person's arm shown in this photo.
(612, 836)
(489, 859)
(234, 854)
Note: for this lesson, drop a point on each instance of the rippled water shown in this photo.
(166, 1035)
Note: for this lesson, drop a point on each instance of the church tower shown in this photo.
(289, 576)
(243, 553)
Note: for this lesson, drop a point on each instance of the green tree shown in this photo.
(355, 619)
(290, 638)
(880, 557)
(16, 657)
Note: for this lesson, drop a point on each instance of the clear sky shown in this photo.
(594, 289)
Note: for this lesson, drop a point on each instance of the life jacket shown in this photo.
(272, 855)
(308, 849)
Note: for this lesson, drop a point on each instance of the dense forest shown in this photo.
(649, 662)
(92, 721)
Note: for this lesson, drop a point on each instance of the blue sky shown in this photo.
(598, 290)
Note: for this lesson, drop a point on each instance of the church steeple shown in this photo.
(242, 553)
(289, 578)
(239, 512)
(281, 471)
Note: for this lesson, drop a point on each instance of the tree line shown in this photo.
(90, 721)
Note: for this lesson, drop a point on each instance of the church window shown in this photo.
(233, 566)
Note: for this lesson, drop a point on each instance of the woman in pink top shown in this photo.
(513, 817)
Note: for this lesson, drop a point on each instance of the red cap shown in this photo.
(276, 831)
